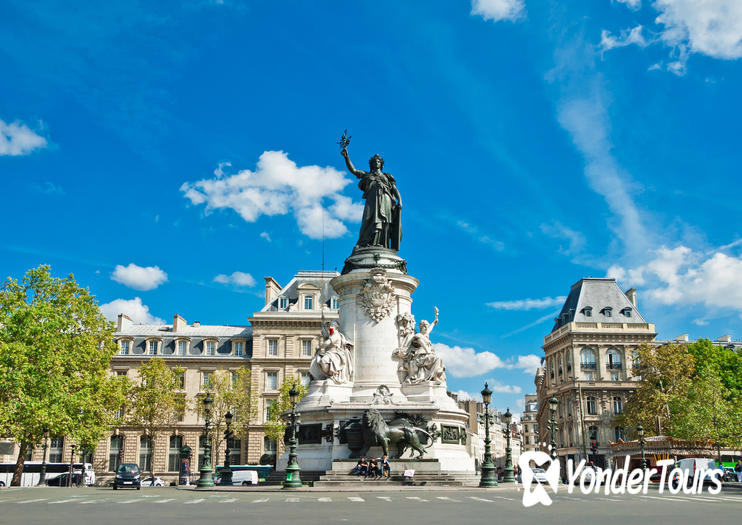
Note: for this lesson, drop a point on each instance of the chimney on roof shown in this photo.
(178, 323)
(196, 323)
(725, 339)
(631, 294)
(124, 321)
(683, 338)
(272, 288)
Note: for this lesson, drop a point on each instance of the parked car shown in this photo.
(62, 480)
(128, 475)
(153, 482)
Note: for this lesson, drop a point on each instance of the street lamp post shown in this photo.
(553, 403)
(293, 480)
(72, 466)
(642, 444)
(226, 474)
(488, 477)
(206, 477)
(508, 476)
(42, 475)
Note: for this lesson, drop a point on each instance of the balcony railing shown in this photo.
(614, 366)
(588, 366)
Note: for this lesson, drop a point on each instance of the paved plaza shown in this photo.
(409, 505)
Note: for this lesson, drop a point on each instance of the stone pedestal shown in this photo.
(373, 291)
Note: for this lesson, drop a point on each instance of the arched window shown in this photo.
(587, 359)
(114, 453)
(614, 359)
(617, 405)
(173, 458)
(145, 453)
(592, 406)
(592, 432)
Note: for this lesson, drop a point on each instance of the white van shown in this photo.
(244, 477)
(691, 465)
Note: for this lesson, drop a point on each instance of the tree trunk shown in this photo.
(18, 470)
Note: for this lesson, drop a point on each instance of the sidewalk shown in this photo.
(355, 487)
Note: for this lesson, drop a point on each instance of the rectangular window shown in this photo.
(615, 376)
(173, 459)
(617, 405)
(306, 348)
(304, 378)
(238, 347)
(114, 453)
(308, 302)
(180, 416)
(268, 404)
(121, 373)
(234, 446)
(125, 347)
(181, 380)
(201, 450)
(210, 346)
(56, 447)
(152, 348)
(269, 446)
(205, 380)
(334, 303)
(235, 377)
(145, 454)
(182, 345)
(589, 376)
(592, 406)
(283, 303)
(271, 381)
(272, 347)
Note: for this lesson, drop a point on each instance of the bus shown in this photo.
(32, 472)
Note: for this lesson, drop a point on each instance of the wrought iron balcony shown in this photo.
(588, 366)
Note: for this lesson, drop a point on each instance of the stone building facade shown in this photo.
(587, 367)
(276, 346)
(498, 438)
(530, 423)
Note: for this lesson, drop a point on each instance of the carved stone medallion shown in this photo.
(377, 296)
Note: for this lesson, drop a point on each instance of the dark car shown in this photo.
(128, 475)
(63, 480)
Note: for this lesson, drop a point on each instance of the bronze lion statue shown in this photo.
(399, 431)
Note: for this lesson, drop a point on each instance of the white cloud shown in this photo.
(137, 312)
(499, 388)
(467, 362)
(497, 10)
(709, 27)
(49, 188)
(463, 395)
(631, 4)
(266, 236)
(681, 276)
(475, 233)
(626, 38)
(18, 139)
(139, 277)
(557, 230)
(528, 304)
(279, 187)
(237, 279)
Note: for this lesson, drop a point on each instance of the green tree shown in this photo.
(275, 427)
(55, 351)
(156, 402)
(665, 379)
(232, 391)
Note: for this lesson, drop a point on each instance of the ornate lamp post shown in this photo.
(553, 403)
(488, 478)
(508, 475)
(293, 481)
(226, 475)
(206, 478)
(642, 444)
(42, 476)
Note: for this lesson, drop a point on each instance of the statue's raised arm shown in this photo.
(358, 173)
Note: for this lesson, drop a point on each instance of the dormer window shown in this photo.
(607, 311)
(587, 311)
(334, 303)
(153, 346)
(308, 302)
(125, 346)
(626, 312)
(283, 303)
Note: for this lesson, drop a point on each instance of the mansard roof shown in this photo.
(593, 300)
(303, 280)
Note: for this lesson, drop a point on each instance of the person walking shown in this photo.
(738, 470)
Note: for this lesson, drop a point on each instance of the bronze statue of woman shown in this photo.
(381, 225)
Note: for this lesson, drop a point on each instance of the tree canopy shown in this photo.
(55, 351)
(275, 427)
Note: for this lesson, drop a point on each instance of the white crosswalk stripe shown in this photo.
(61, 501)
(230, 500)
(194, 501)
(355, 498)
(446, 498)
(417, 498)
(164, 500)
(324, 500)
(292, 500)
(129, 501)
(385, 498)
(262, 500)
(481, 499)
(32, 501)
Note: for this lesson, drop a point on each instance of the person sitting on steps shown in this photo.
(385, 468)
(373, 469)
(361, 468)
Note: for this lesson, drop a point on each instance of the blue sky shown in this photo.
(172, 154)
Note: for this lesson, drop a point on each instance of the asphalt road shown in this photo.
(164, 506)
